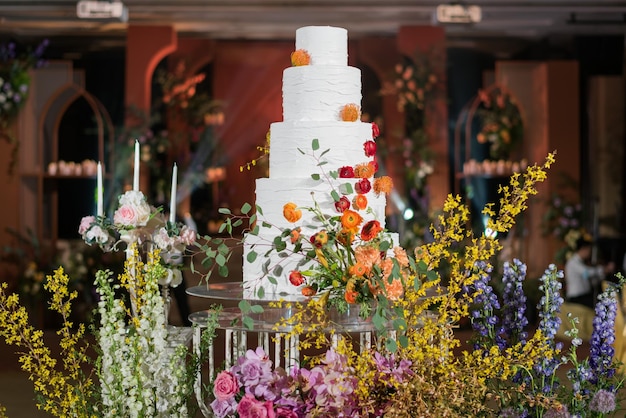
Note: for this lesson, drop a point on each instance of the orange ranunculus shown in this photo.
(350, 297)
(351, 294)
(296, 278)
(364, 171)
(481, 138)
(294, 235)
(300, 57)
(359, 202)
(383, 184)
(345, 237)
(350, 113)
(291, 212)
(308, 291)
(321, 238)
(351, 219)
(358, 269)
(370, 230)
(367, 255)
(394, 290)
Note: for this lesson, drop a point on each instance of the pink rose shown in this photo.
(225, 385)
(284, 412)
(250, 407)
(126, 216)
(187, 235)
(85, 224)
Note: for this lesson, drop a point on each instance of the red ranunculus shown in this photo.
(370, 148)
(374, 164)
(342, 204)
(375, 130)
(296, 278)
(363, 186)
(370, 230)
(346, 172)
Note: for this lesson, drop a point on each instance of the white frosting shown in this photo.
(326, 45)
(319, 93)
(344, 140)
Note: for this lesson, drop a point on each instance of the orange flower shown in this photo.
(321, 238)
(394, 289)
(358, 269)
(308, 291)
(383, 184)
(350, 113)
(370, 230)
(351, 219)
(367, 255)
(359, 202)
(374, 288)
(345, 237)
(481, 138)
(300, 57)
(363, 171)
(350, 297)
(294, 235)
(291, 212)
(400, 255)
(351, 294)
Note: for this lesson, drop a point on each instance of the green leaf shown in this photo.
(416, 284)
(315, 177)
(257, 309)
(223, 271)
(224, 211)
(255, 230)
(222, 228)
(335, 195)
(315, 144)
(390, 344)
(431, 275)
(334, 174)
(237, 223)
(404, 341)
(279, 244)
(244, 306)
(399, 324)
(248, 322)
(259, 210)
(220, 259)
(278, 270)
(261, 292)
(272, 280)
(324, 152)
(252, 219)
(251, 256)
(245, 209)
(301, 152)
(266, 225)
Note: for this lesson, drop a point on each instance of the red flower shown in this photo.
(296, 278)
(375, 130)
(374, 164)
(342, 204)
(363, 186)
(370, 230)
(370, 148)
(346, 172)
(308, 291)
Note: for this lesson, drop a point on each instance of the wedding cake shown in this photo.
(316, 93)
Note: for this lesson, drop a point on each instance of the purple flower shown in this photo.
(254, 368)
(514, 320)
(559, 412)
(603, 401)
(484, 318)
(603, 336)
(283, 412)
(223, 408)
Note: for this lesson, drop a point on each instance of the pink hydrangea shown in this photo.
(85, 224)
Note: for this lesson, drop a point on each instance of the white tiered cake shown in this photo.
(313, 98)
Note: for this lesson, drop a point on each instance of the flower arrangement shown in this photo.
(564, 220)
(347, 257)
(14, 86)
(413, 83)
(501, 124)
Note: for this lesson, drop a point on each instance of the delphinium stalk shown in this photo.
(484, 317)
(514, 321)
(545, 382)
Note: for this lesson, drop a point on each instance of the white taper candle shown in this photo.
(136, 167)
(173, 195)
(99, 191)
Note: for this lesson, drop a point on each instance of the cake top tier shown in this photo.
(326, 45)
